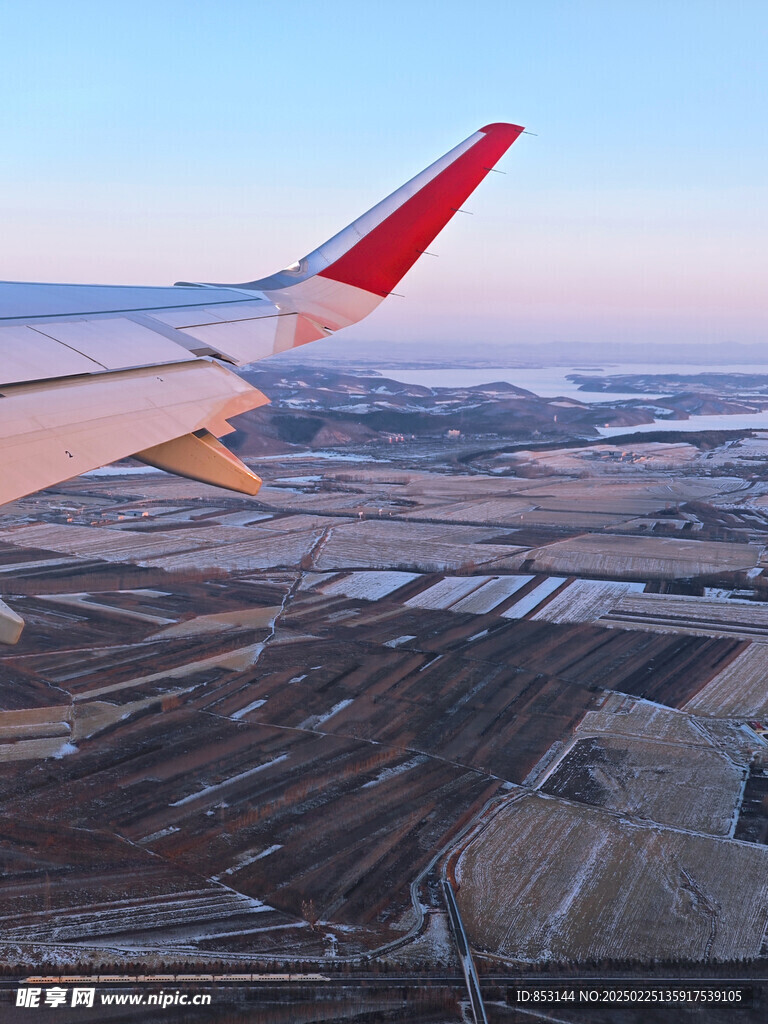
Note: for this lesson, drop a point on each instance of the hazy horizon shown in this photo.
(435, 352)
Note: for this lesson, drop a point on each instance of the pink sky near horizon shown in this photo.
(165, 142)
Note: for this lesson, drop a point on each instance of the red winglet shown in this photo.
(378, 261)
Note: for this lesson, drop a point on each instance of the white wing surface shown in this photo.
(90, 374)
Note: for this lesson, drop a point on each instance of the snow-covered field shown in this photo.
(549, 880)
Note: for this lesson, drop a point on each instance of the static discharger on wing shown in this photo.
(92, 373)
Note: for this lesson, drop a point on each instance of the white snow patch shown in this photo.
(310, 455)
(398, 640)
(535, 597)
(314, 720)
(358, 407)
(256, 652)
(370, 585)
(122, 471)
(389, 773)
(64, 749)
(491, 594)
(244, 860)
(249, 707)
(222, 785)
(269, 849)
(586, 600)
(161, 834)
(315, 580)
(297, 479)
(447, 592)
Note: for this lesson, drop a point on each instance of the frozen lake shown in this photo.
(551, 381)
(759, 421)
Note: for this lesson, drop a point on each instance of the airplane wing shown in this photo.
(91, 374)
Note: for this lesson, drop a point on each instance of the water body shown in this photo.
(547, 381)
(551, 381)
(758, 421)
(122, 471)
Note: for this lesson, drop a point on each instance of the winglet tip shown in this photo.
(502, 128)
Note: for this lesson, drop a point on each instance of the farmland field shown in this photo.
(547, 880)
(740, 689)
(263, 727)
(655, 780)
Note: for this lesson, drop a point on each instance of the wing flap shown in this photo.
(25, 354)
(115, 343)
(69, 347)
(201, 457)
(51, 432)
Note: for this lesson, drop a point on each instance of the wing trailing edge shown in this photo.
(51, 432)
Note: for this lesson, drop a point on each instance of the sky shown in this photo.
(146, 143)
